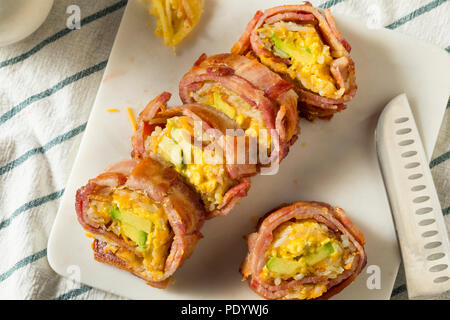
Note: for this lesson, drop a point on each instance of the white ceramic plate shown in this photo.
(20, 18)
(334, 162)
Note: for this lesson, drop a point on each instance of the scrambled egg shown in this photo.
(138, 213)
(209, 178)
(294, 243)
(310, 58)
(160, 238)
(236, 108)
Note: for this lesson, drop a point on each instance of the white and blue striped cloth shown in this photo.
(48, 83)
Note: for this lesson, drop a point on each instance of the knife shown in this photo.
(413, 200)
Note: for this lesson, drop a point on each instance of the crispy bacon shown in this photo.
(182, 205)
(311, 105)
(210, 119)
(256, 84)
(143, 129)
(231, 198)
(105, 256)
(259, 241)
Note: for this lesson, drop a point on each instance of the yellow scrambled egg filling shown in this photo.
(236, 108)
(294, 243)
(159, 240)
(209, 178)
(135, 217)
(247, 117)
(310, 58)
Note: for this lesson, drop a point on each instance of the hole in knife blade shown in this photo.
(412, 165)
(401, 120)
(438, 267)
(424, 210)
(403, 131)
(441, 279)
(435, 256)
(429, 233)
(406, 143)
(426, 222)
(418, 188)
(432, 245)
(421, 199)
(415, 176)
(409, 154)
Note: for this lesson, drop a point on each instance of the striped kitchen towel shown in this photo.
(48, 84)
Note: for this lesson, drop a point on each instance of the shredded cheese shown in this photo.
(131, 118)
(112, 110)
(176, 18)
(90, 235)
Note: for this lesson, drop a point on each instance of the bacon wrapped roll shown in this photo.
(305, 47)
(247, 92)
(199, 157)
(308, 250)
(143, 217)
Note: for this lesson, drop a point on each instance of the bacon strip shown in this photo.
(182, 206)
(256, 84)
(210, 119)
(143, 129)
(311, 105)
(102, 255)
(259, 241)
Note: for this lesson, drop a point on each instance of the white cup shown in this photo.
(20, 18)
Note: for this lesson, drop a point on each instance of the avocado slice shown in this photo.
(115, 213)
(287, 267)
(130, 219)
(322, 253)
(221, 105)
(138, 236)
(171, 151)
(303, 56)
(177, 135)
(282, 266)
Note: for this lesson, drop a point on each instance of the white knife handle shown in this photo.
(414, 203)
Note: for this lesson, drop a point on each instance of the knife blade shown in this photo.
(413, 200)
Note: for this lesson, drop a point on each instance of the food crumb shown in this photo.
(296, 181)
(112, 110)
(255, 219)
(303, 144)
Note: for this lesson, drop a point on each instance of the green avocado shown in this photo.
(282, 266)
(115, 213)
(177, 136)
(322, 253)
(302, 56)
(171, 151)
(134, 227)
(138, 236)
(287, 267)
(130, 219)
(221, 105)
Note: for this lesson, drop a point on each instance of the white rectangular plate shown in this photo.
(333, 162)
